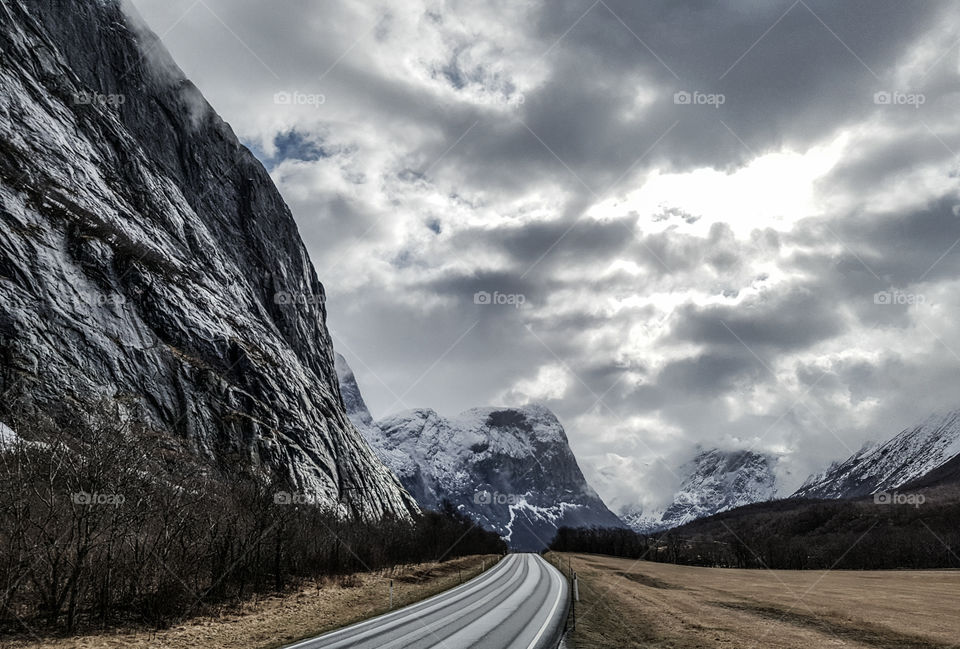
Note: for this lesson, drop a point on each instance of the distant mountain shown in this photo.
(909, 456)
(147, 257)
(510, 469)
(714, 481)
(352, 399)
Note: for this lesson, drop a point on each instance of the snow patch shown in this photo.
(8, 438)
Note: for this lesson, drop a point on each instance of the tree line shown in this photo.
(104, 521)
(793, 535)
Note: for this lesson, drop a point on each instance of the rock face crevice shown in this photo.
(146, 255)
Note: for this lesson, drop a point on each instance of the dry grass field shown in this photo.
(627, 603)
(277, 621)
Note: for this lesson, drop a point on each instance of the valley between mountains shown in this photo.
(186, 460)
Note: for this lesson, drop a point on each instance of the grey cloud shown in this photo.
(407, 158)
(793, 320)
(797, 84)
(464, 287)
(881, 251)
(710, 374)
(569, 241)
(886, 159)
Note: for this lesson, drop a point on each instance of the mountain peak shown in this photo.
(510, 469)
(715, 480)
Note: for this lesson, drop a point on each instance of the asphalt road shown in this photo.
(521, 603)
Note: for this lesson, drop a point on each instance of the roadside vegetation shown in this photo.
(275, 620)
(105, 523)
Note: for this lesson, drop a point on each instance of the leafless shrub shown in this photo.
(104, 521)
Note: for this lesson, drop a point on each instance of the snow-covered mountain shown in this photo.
(910, 455)
(714, 481)
(146, 255)
(509, 469)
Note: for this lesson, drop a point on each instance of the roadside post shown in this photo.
(391, 594)
(575, 597)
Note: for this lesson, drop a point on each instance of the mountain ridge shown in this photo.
(908, 456)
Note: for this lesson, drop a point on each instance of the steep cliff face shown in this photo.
(509, 469)
(909, 456)
(714, 481)
(146, 255)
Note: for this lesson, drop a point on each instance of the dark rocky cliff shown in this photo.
(145, 255)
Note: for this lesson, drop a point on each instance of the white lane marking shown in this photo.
(553, 610)
(500, 567)
(474, 633)
(414, 613)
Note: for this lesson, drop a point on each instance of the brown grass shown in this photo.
(281, 620)
(627, 603)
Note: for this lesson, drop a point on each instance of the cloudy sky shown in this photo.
(674, 222)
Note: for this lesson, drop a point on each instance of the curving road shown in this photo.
(521, 603)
